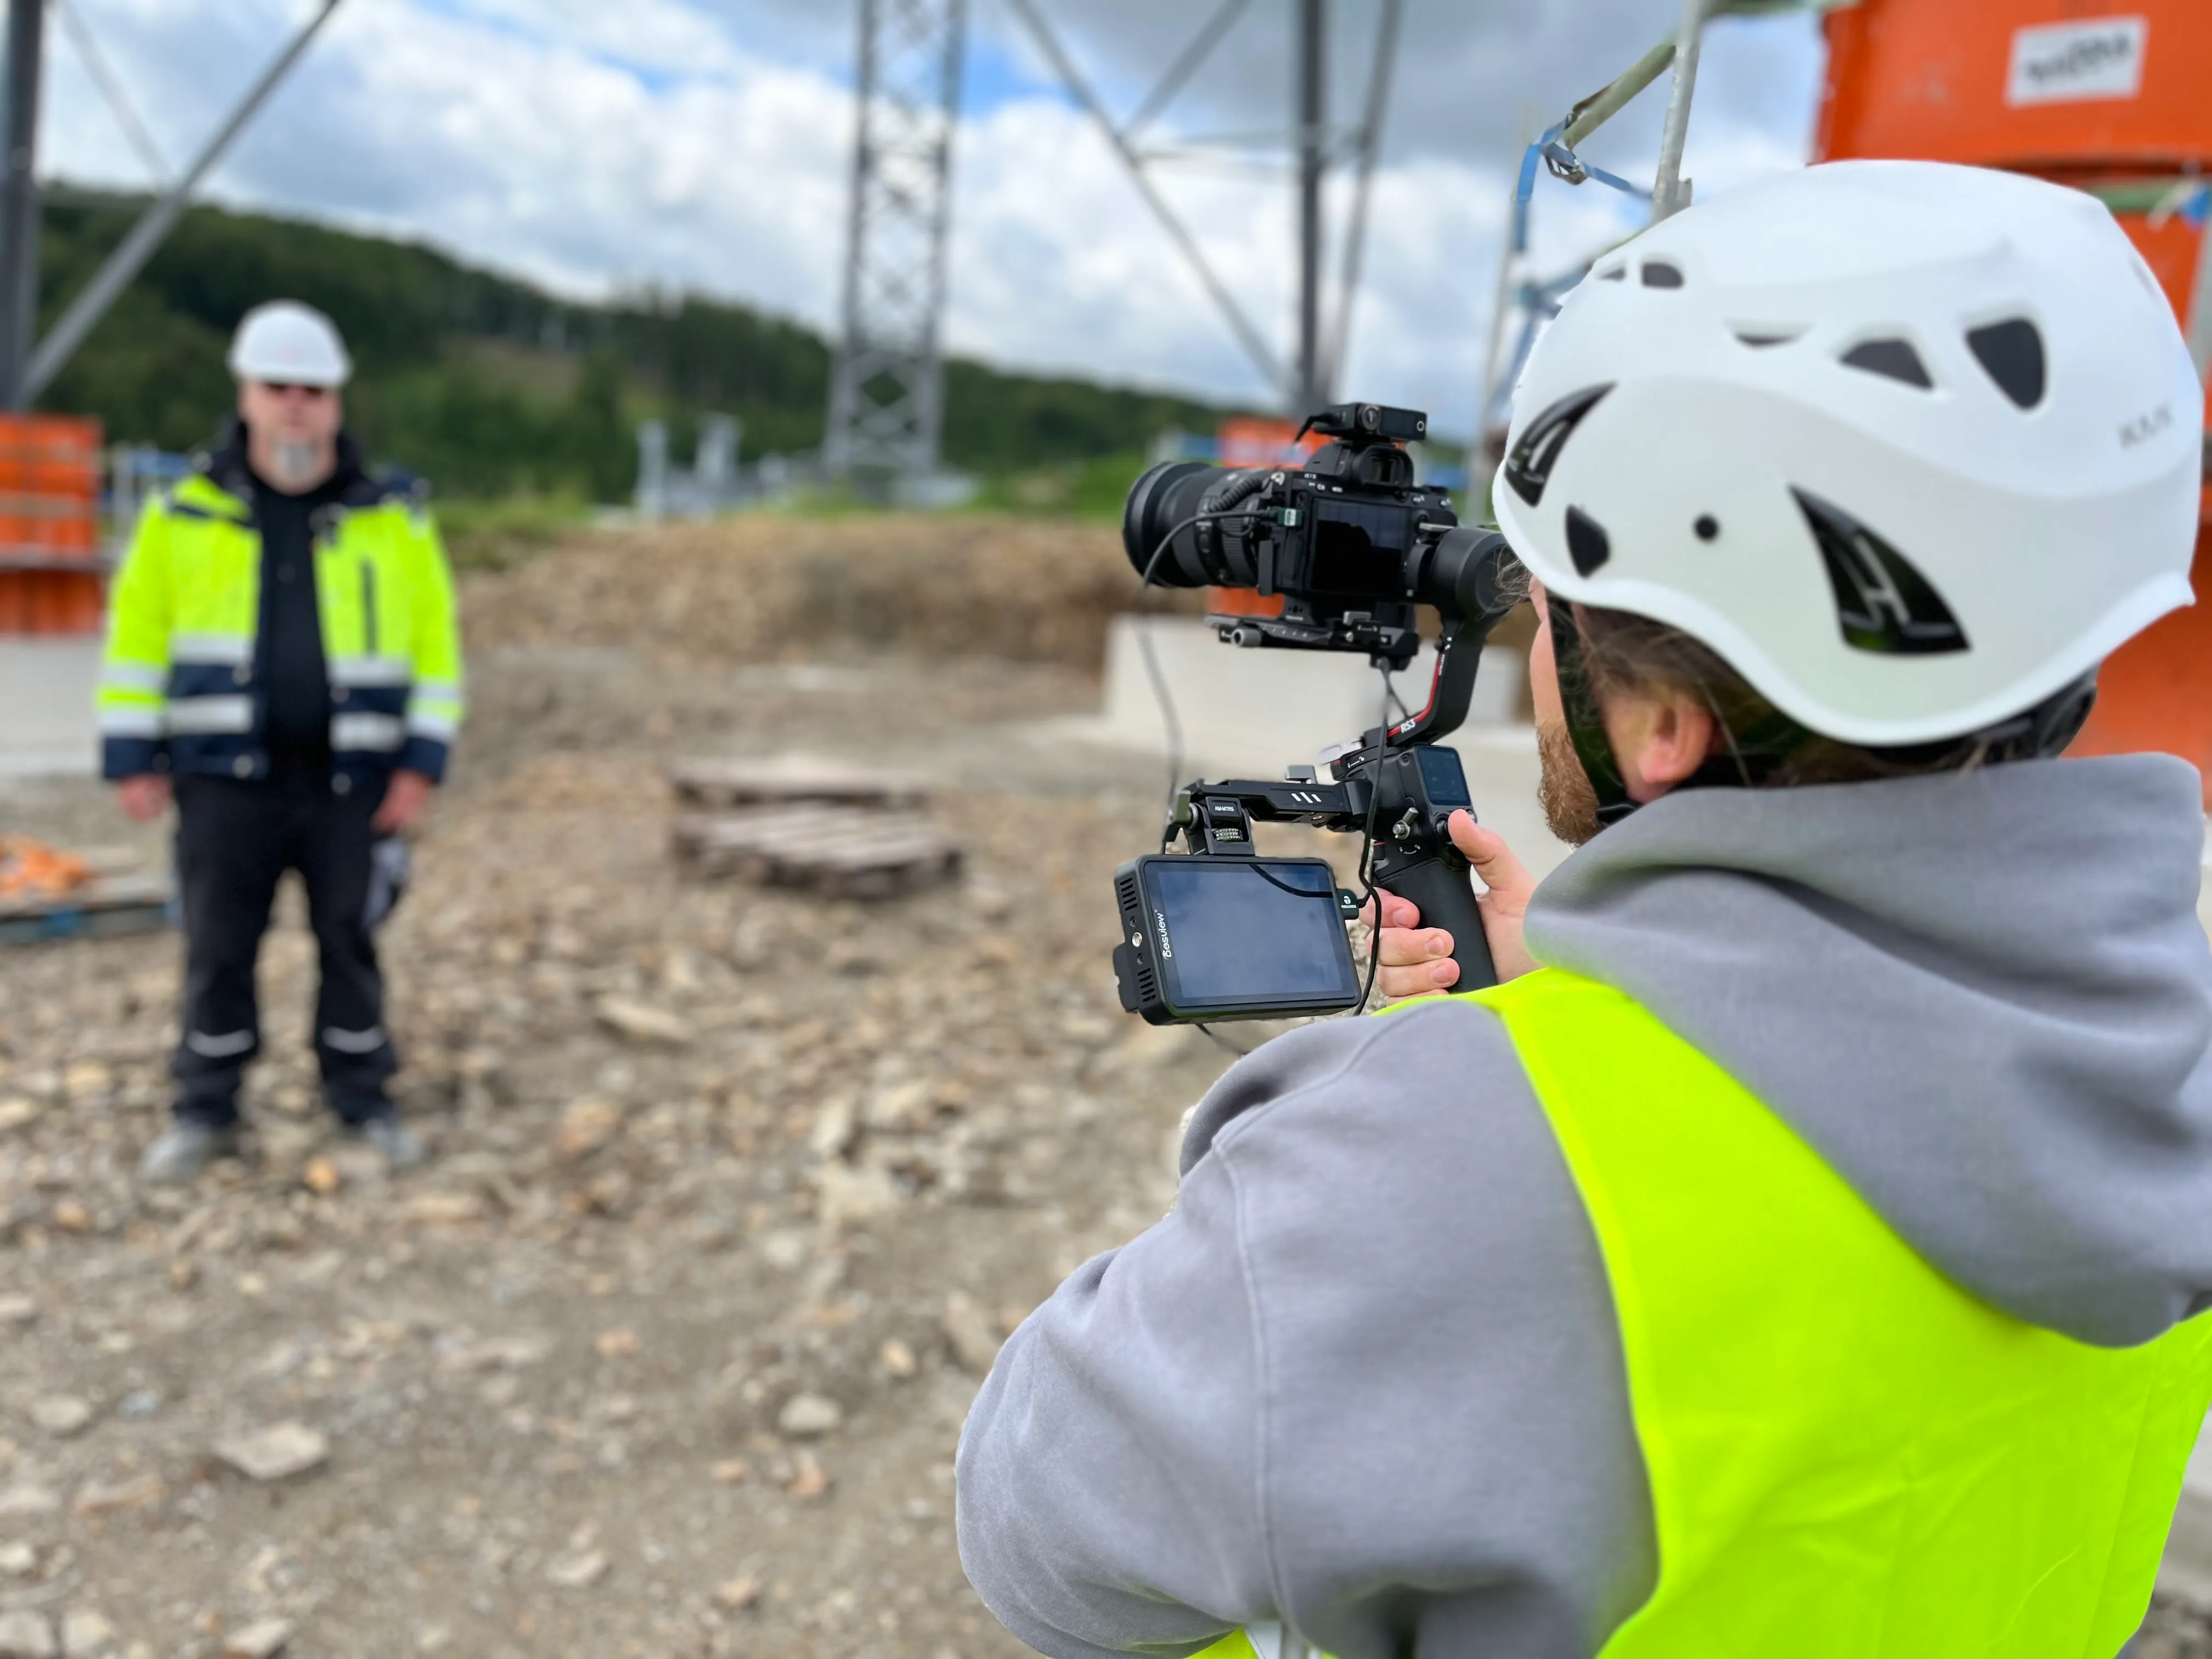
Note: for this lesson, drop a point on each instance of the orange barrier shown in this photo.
(50, 577)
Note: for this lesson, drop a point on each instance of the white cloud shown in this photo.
(597, 148)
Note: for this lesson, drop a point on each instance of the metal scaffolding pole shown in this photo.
(1313, 165)
(19, 200)
(886, 387)
(1670, 194)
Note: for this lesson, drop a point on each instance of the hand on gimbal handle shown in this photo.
(1416, 960)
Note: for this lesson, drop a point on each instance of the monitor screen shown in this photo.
(1229, 931)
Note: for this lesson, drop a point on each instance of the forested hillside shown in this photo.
(489, 387)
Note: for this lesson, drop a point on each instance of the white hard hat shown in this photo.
(290, 344)
(1912, 446)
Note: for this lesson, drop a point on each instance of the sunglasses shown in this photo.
(311, 393)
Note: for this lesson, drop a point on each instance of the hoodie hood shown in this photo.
(1985, 999)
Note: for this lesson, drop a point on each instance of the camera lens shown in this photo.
(1164, 497)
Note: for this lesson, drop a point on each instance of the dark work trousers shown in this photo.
(234, 839)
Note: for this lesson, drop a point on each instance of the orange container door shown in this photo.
(2038, 85)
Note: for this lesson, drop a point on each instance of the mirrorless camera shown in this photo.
(1336, 555)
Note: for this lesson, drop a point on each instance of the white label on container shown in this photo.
(2074, 62)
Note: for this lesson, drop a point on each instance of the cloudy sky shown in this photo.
(704, 144)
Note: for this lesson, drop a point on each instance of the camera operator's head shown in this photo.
(1856, 474)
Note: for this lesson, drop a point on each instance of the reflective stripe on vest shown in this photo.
(1850, 1456)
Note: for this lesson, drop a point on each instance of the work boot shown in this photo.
(187, 1148)
(399, 1147)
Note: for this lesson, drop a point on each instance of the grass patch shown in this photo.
(501, 532)
(1093, 489)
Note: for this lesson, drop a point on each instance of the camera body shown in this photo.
(1331, 549)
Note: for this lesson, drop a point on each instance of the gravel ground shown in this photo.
(736, 1190)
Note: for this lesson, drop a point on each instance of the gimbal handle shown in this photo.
(1439, 885)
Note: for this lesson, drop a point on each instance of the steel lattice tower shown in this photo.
(886, 387)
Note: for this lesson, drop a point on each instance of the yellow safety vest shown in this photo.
(1850, 1456)
(181, 689)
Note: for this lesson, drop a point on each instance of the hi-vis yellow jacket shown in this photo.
(182, 688)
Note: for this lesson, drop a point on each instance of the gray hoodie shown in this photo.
(1367, 1375)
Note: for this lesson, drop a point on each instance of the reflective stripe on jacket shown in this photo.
(182, 686)
(1850, 1457)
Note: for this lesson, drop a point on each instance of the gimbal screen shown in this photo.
(1360, 549)
(1443, 777)
(1242, 933)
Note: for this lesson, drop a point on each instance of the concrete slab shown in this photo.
(47, 726)
(1253, 712)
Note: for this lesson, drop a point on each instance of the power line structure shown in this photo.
(112, 92)
(25, 368)
(1313, 147)
(19, 196)
(887, 383)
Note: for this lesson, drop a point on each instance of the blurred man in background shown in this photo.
(282, 663)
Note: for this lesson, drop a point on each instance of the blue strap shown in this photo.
(1549, 147)
(1526, 188)
(1567, 158)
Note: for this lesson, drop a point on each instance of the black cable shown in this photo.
(1220, 1041)
(1275, 880)
(1374, 896)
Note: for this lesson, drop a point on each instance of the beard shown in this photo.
(1564, 789)
(295, 464)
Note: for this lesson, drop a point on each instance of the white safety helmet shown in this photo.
(1913, 446)
(290, 344)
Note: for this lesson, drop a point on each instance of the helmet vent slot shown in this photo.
(1760, 339)
(1613, 274)
(1528, 468)
(1588, 545)
(1895, 359)
(1658, 273)
(1883, 605)
(2012, 352)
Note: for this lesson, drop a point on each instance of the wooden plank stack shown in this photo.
(831, 827)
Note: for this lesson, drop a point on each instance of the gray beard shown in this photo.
(1563, 789)
(293, 465)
